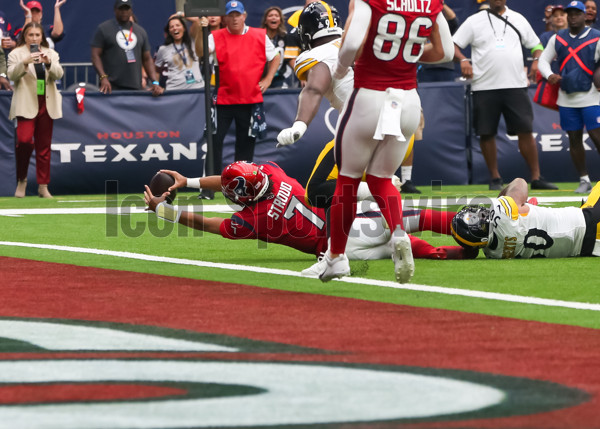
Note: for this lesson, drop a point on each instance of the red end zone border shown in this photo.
(347, 330)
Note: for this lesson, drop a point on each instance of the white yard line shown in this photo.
(409, 202)
(125, 210)
(415, 287)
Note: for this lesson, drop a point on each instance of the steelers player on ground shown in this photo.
(511, 228)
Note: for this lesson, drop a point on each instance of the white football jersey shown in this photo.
(544, 231)
(327, 54)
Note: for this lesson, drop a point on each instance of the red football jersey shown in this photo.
(281, 218)
(394, 43)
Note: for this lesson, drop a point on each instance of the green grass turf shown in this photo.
(565, 279)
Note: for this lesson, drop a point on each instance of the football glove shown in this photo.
(291, 135)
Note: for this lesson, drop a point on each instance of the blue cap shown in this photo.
(575, 5)
(234, 6)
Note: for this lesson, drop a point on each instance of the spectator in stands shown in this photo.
(272, 21)
(6, 34)
(500, 83)
(33, 13)
(578, 98)
(591, 12)
(443, 72)
(559, 22)
(240, 53)
(179, 57)
(36, 102)
(119, 49)
(548, 18)
(4, 82)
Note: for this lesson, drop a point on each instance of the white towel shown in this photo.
(389, 116)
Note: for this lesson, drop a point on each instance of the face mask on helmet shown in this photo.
(317, 20)
(470, 226)
(244, 182)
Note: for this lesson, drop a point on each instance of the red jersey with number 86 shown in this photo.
(397, 35)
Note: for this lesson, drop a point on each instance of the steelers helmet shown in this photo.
(470, 227)
(244, 182)
(317, 20)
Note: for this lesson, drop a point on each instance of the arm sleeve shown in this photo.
(2, 61)
(546, 58)
(530, 39)
(270, 49)
(463, 37)
(160, 59)
(446, 36)
(355, 33)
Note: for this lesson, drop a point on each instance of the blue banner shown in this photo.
(128, 136)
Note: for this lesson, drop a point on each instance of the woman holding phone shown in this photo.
(34, 68)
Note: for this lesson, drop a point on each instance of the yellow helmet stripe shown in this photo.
(329, 14)
(467, 242)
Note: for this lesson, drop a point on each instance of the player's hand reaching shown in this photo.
(151, 200)
(291, 135)
(180, 180)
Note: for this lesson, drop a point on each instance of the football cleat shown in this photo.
(404, 264)
(334, 268)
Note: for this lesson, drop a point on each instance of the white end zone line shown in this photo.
(355, 280)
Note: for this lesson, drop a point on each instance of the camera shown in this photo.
(204, 7)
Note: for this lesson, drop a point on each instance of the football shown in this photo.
(160, 184)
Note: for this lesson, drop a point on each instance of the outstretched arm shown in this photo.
(318, 81)
(212, 183)
(189, 219)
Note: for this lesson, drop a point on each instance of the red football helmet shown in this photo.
(244, 182)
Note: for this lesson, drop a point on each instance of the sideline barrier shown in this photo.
(127, 137)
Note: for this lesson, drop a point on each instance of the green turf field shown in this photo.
(565, 279)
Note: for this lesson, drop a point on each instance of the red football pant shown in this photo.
(35, 134)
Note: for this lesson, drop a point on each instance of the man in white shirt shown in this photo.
(497, 36)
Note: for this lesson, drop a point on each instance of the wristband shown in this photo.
(154, 82)
(465, 59)
(194, 182)
(168, 212)
(535, 59)
(28, 16)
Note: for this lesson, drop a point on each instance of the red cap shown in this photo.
(34, 5)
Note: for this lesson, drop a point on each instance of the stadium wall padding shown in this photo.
(128, 136)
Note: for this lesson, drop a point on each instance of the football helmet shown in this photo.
(318, 20)
(244, 182)
(470, 227)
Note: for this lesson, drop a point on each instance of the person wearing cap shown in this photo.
(120, 48)
(558, 19)
(577, 51)
(240, 53)
(34, 13)
(497, 36)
